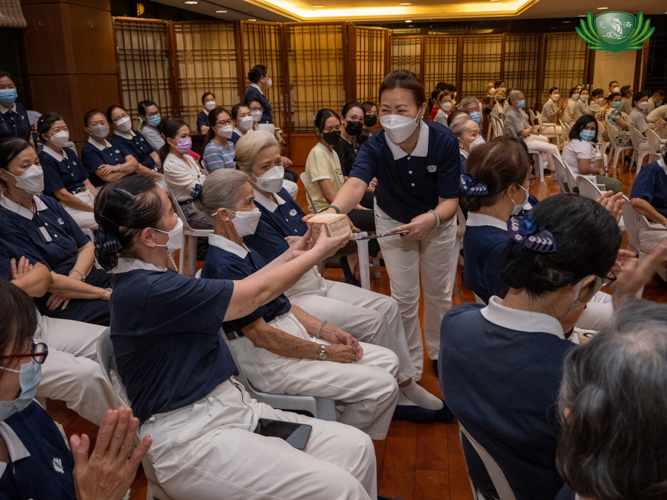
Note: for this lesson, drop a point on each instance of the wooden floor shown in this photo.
(416, 461)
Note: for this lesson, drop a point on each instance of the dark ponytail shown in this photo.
(212, 120)
(169, 130)
(587, 240)
(45, 123)
(122, 210)
(322, 116)
(499, 164)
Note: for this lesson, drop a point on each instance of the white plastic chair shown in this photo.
(640, 144)
(613, 133)
(601, 152)
(107, 360)
(311, 203)
(190, 236)
(561, 176)
(499, 480)
(498, 128)
(550, 131)
(588, 188)
(655, 145)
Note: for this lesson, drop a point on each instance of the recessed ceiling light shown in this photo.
(495, 0)
(567, 22)
(318, 6)
(409, 21)
(581, 15)
(221, 12)
(190, 2)
(252, 19)
(603, 8)
(405, 3)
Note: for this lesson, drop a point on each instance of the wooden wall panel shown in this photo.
(482, 63)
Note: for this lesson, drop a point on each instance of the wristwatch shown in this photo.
(323, 352)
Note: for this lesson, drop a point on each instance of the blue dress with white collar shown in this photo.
(93, 157)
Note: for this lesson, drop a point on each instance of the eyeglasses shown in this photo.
(39, 352)
(223, 123)
(609, 279)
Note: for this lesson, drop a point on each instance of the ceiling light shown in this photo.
(405, 3)
(567, 22)
(221, 12)
(318, 6)
(252, 19)
(603, 8)
(581, 15)
(409, 21)
(495, 0)
(190, 2)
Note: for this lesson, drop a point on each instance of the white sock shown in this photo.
(403, 400)
(421, 397)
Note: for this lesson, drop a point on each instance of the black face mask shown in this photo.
(332, 137)
(487, 111)
(354, 128)
(370, 120)
(500, 101)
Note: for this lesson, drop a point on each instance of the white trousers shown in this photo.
(83, 219)
(291, 187)
(367, 388)
(208, 451)
(649, 239)
(405, 259)
(368, 316)
(597, 314)
(71, 372)
(542, 144)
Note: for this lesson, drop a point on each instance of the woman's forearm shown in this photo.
(72, 288)
(85, 258)
(309, 322)
(264, 336)
(349, 195)
(647, 210)
(447, 208)
(36, 282)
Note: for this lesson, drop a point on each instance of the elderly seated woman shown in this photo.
(469, 136)
(42, 231)
(282, 348)
(649, 198)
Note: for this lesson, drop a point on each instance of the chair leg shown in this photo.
(181, 256)
(364, 268)
(377, 268)
(192, 255)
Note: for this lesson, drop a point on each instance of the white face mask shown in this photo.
(60, 139)
(583, 98)
(268, 83)
(476, 142)
(615, 90)
(210, 105)
(100, 131)
(518, 207)
(226, 131)
(555, 97)
(446, 106)
(31, 181)
(256, 115)
(271, 180)
(175, 241)
(578, 304)
(246, 122)
(124, 124)
(642, 105)
(245, 223)
(398, 128)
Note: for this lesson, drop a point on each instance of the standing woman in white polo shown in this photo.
(417, 166)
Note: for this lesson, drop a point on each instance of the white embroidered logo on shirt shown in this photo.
(432, 168)
(58, 465)
(292, 212)
(118, 151)
(61, 222)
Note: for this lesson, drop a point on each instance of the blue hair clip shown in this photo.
(472, 186)
(106, 243)
(196, 192)
(525, 231)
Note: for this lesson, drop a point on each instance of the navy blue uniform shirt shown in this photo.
(136, 144)
(15, 123)
(410, 185)
(255, 93)
(202, 120)
(93, 158)
(500, 371)
(285, 215)
(165, 329)
(226, 260)
(267, 241)
(484, 240)
(42, 464)
(62, 171)
(651, 185)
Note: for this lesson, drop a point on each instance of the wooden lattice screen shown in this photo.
(440, 61)
(522, 63)
(482, 63)
(406, 53)
(369, 46)
(564, 62)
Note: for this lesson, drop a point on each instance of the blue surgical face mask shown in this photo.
(476, 116)
(616, 104)
(154, 121)
(518, 207)
(8, 96)
(587, 135)
(521, 104)
(30, 375)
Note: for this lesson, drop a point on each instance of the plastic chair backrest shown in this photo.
(633, 223)
(587, 188)
(499, 480)
(636, 137)
(561, 174)
(497, 126)
(179, 211)
(612, 132)
(654, 143)
(311, 203)
(571, 179)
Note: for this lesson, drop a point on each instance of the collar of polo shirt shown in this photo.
(126, 265)
(19, 209)
(54, 155)
(257, 87)
(522, 321)
(661, 162)
(420, 150)
(267, 203)
(15, 448)
(227, 245)
(92, 141)
(125, 135)
(464, 153)
(4, 110)
(477, 220)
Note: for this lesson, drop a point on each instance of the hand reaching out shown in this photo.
(21, 269)
(613, 203)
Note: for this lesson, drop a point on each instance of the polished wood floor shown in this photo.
(416, 461)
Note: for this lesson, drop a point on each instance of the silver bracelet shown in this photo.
(437, 217)
(319, 330)
(83, 276)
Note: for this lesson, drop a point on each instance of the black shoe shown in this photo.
(413, 413)
(445, 415)
(380, 497)
(547, 171)
(347, 272)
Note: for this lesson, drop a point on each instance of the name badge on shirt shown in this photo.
(292, 212)
(432, 168)
(118, 151)
(61, 222)
(44, 234)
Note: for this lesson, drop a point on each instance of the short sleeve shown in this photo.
(366, 164)
(449, 167)
(202, 121)
(318, 165)
(644, 184)
(492, 266)
(91, 158)
(52, 180)
(584, 150)
(213, 158)
(74, 230)
(149, 146)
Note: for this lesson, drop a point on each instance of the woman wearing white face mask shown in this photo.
(417, 165)
(445, 102)
(208, 101)
(134, 142)
(243, 120)
(218, 151)
(559, 256)
(581, 107)
(596, 101)
(467, 132)
(553, 110)
(65, 178)
(44, 232)
(278, 351)
(260, 82)
(104, 161)
(638, 118)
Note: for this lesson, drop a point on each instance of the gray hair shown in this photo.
(221, 190)
(513, 94)
(612, 443)
(459, 123)
(247, 147)
(469, 100)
